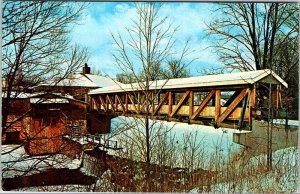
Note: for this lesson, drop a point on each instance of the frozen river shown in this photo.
(211, 139)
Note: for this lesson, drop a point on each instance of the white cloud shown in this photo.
(192, 18)
(104, 18)
(122, 8)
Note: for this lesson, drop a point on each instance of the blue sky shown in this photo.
(101, 18)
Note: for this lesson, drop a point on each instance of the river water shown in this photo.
(211, 139)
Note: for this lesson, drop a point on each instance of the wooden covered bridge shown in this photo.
(231, 100)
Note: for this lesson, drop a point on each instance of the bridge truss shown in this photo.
(228, 100)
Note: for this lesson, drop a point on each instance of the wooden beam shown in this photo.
(280, 100)
(217, 104)
(242, 115)
(250, 118)
(252, 95)
(182, 100)
(132, 102)
(146, 101)
(203, 104)
(106, 101)
(111, 103)
(160, 104)
(232, 98)
(170, 97)
(191, 104)
(99, 103)
(209, 88)
(126, 102)
(91, 104)
(232, 106)
(121, 103)
(116, 102)
(139, 103)
(103, 103)
(153, 98)
(94, 102)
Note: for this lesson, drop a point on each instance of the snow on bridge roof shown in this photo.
(239, 78)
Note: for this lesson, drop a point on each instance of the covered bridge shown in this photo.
(232, 100)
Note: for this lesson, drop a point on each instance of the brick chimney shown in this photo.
(86, 69)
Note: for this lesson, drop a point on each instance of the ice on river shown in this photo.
(220, 139)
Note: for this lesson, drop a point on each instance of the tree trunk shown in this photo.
(147, 153)
(270, 128)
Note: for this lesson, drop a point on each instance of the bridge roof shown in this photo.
(239, 78)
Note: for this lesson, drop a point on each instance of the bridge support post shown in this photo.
(170, 97)
(217, 104)
(191, 104)
(98, 123)
(256, 140)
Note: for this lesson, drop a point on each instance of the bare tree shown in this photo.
(176, 69)
(123, 78)
(247, 33)
(286, 63)
(96, 71)
(151, 42)
(251, 36)
(36, 47)
(254, 36)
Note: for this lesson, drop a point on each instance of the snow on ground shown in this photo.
(57, 188)
(290, 122)
(17, 162)
(282, 178)
(81, 140)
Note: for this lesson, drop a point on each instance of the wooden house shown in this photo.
(40, 121)
(42, 117)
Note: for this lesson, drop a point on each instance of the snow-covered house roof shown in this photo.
(85, 80)
(41, 97)
(49, 101)
(239, 78)
(15, 94)
(101, 81)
